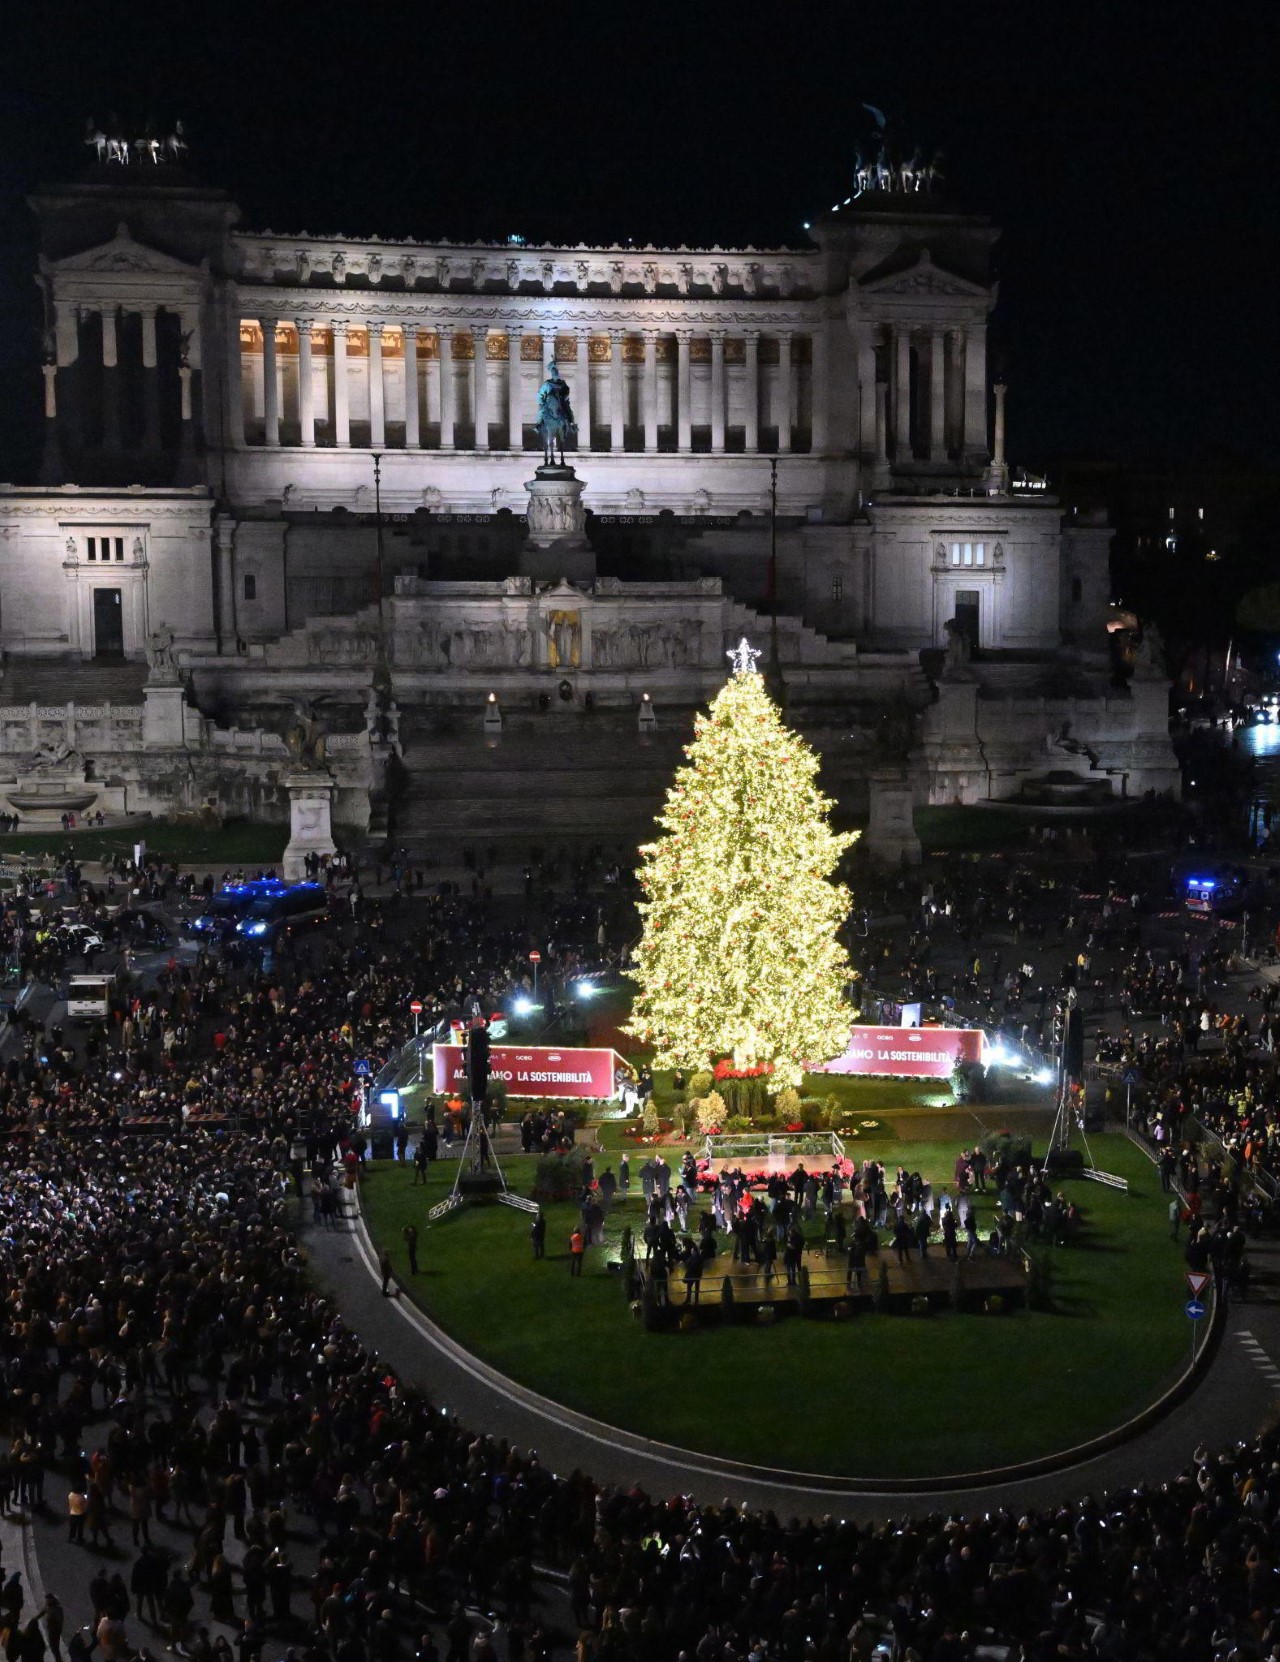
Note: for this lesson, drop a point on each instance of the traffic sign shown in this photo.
(363, 1069)
(1198, 1280)
(1195, 1309)
(535, 957)
(1132, 1077)
(416, 1007)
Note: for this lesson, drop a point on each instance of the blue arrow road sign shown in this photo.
(1195, 1309)
(363, 1069)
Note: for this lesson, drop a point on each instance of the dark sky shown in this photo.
(1129, 150)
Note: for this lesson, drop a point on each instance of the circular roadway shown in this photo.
(1235, 1395)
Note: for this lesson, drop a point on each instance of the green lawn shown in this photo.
(876, 1396)
(238, 843)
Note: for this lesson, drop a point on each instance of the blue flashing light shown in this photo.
(252, 926)
(1201, 883)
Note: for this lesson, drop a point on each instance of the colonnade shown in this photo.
(922, 390)
(69, 323)
(453, 353)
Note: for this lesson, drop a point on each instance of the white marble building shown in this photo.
(215, 401)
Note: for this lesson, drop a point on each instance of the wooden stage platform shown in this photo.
(960, 1283)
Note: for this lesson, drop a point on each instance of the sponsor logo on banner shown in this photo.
(908, 1052)
(533, 1070)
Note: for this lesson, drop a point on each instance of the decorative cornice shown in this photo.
(572, 311)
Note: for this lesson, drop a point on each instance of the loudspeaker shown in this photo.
(478, 1062)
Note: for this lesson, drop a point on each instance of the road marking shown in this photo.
(1258, 1356)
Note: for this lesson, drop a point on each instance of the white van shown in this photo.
(89, 997)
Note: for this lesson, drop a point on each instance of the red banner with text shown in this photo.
(908, 1052)
(533, 1070)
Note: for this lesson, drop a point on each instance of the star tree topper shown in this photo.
(743, 657)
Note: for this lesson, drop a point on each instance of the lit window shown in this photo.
(837, 586)
(1171, 543)
(980, 554)
(1171, 511)
(1199, 513)
(955, 553)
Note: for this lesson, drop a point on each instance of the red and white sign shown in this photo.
(908, 1052)
(1198, 1280)
(416, 1007)
(533, 1070)
(535, 957)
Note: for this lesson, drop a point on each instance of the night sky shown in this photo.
(1129, 150)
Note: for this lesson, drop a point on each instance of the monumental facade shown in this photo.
(310, 459)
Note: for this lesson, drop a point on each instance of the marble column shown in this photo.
(617, 392)
(819, 391)
(234, 400)
(377, 390)
(717, 392)
(864, 342)
(955, 391)
(684, 391)
(110, 381)
(270, 384)
(480, 384)
(515, 413)
(225, 527)
(412, 426)
(882, 425)
(751, 357)
(997, 449)
(975, 391)
(938, 396)
(341, 392)
(306, 385)
(901, 392)
(786, 394)
(67, 338)
(582, 390)
(650, 390)
(446, 386)
(150, 388)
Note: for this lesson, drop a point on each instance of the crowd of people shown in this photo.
(166, 1361)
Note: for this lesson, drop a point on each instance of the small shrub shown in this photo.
(558, 1177)
(920, 1304)
(786, 1105)
(701, 1082)
(727, 1299)
(766, 1314)
(649, 1124)
(804, 1291)
(710, 1113)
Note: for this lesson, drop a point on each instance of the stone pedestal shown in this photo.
(891, 833)
(556, 546)
(164, 716)
(310, 821)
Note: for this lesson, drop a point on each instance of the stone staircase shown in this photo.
(54, 681)
(553, 778)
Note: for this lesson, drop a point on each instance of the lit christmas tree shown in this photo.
(739, 955)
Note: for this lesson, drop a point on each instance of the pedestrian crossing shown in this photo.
(1265, 1366)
